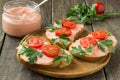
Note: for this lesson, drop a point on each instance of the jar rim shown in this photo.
(7, 3)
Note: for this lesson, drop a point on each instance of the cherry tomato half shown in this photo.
(61, 31)
(100, 34)
(50, 50)
(68, 24)
(87, 41)
(99, 7)
(35, 42)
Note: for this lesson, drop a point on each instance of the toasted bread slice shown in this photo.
(44, 61)
(75, 33)
(97, 53)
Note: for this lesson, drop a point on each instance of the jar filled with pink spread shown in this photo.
(18, 18)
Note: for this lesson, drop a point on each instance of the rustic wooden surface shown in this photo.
(11, 69)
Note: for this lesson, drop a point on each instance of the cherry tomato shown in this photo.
(87, 41)
(61, 31)
(99, 7)
(100, 34)
(35, 42)
(68, 24)
(50, 50)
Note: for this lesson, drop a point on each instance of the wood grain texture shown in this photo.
(113, 25)
(1, 31)
(10, 67)
(112, 70)
(46, 12)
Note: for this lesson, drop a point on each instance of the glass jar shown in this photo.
(18, 18)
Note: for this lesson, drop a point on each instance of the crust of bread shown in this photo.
(91, 59)
(55, 65)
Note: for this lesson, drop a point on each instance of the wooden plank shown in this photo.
(46, 12)
(1, 31)
(113, 25)
(112, 70)
(10, 67)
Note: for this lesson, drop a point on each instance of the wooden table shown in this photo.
(12, 69)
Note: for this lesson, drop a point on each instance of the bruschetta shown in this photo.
(64, 32)
(36, 52)
(94, 46)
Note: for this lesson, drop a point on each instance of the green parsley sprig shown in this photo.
(81, 13)
(53, 28)
(80, 52)
(30, 53)
(65, 57)
(62, 39)
(106, 43)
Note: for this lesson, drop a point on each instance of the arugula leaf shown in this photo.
(78, 51)
(30, 53)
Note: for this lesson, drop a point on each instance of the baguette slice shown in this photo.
(97, 53)
(75, 33)
(41, 62)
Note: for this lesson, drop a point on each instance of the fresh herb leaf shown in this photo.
(107, 43)
(39, 54)
(52, 28)
(112, 49)
(78, 51)
(54, 41)
(69, 58)
(89, 49)
(30, 53)
(59, 23)
(32, 58)
(101, 46)
(87, 14)
(64, 40)
(62, 51)
(109, 33)
(58, 59)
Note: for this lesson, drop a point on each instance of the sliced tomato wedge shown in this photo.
(68, 24)
(35, 42)
(88, 41)
(61, 31)
(100, 34)
(50, 50)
